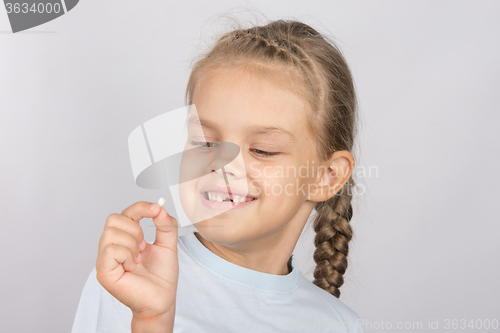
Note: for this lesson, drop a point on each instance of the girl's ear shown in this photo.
(337, 172)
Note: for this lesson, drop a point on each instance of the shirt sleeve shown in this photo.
(99, 311)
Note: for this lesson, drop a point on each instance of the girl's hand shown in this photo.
(147, 285)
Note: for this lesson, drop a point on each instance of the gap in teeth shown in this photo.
(215, 196)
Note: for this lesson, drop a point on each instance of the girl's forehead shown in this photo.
(277, 121)
(252, 97)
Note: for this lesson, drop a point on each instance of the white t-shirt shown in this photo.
(215, 295)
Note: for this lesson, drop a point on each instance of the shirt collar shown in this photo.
(254, 279)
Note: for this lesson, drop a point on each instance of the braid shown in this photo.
(333, 233)
(277, 44)
(279, 47)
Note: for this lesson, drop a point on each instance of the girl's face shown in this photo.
(269, 125)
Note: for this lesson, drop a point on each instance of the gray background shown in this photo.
(427, 72)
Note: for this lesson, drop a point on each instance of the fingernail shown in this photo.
(153, 206)
(138, 258)
(143, 243)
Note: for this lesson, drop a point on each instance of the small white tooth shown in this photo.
(219, 198)
(210, 196)
(238, 198)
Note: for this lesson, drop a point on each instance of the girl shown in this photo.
(285, 95)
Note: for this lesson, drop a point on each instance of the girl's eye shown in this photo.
(203, 144)
(264, 153)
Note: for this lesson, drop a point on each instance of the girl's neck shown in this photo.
(269, 254)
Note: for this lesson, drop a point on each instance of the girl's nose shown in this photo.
(235, 169)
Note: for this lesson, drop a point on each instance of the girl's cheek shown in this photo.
(256, 184)
(265, 177)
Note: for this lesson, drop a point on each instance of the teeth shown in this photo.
(238, 198)
(214, 196)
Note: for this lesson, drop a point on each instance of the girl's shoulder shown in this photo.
(325, 302)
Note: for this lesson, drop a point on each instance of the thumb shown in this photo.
(166, 230)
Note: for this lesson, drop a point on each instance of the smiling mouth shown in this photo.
(224, 197)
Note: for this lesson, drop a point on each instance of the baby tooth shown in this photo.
(219, 198)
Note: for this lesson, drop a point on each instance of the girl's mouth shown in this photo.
(221, 200)
(224, 197)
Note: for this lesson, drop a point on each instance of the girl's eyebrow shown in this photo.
(253, 129)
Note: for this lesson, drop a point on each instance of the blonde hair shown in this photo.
(310, 64)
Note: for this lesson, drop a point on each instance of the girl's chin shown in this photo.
(210, 224)
(217, 230)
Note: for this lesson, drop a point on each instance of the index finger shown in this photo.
(140, 210)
